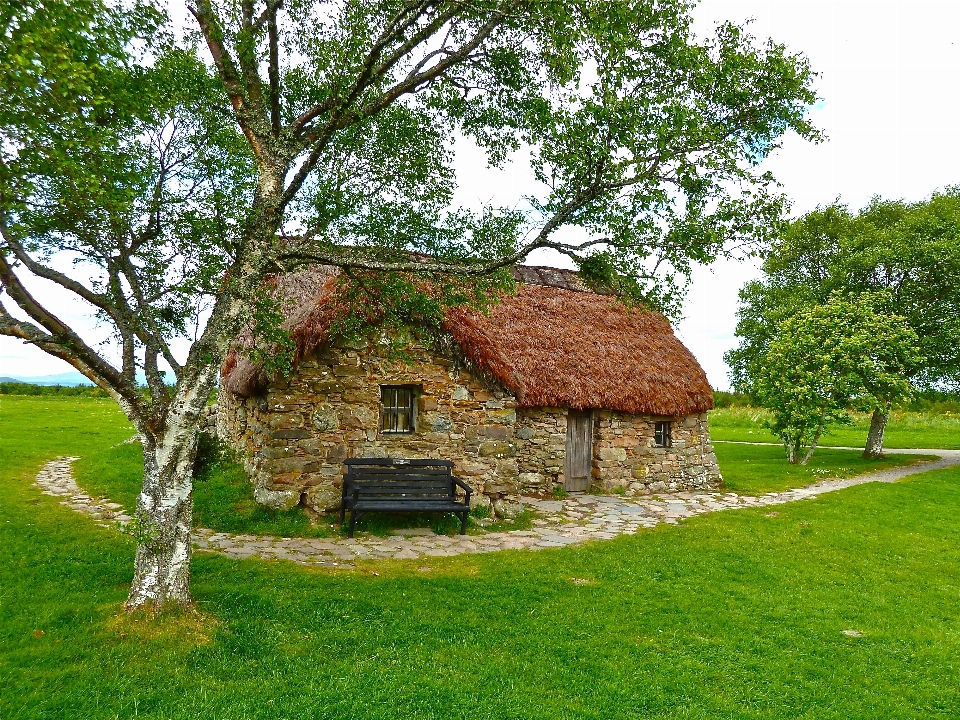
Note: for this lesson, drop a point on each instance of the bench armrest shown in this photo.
(462, 484)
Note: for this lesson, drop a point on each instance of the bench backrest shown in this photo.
(395, 477)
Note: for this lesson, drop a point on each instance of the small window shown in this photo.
(398, 408)
(661, 434)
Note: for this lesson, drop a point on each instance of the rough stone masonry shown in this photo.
(295, 435)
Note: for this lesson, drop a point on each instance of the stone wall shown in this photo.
(541, 437)
(208, 419)
(296, 435)
(624, 456)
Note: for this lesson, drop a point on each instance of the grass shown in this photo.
(19, 388)
(223, 500)
(730, 615)
(904, 430)
(758, 469)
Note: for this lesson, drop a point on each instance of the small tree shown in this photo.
(829, 359)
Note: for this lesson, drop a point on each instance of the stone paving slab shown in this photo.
(573, 520)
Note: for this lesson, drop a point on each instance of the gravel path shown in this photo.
(572, 520)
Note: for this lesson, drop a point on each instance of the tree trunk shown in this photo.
(164, 516)
(813, 445)
(878, 425)
(792, 447)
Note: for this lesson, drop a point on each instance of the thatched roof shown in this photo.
(554, 344)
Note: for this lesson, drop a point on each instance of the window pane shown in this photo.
(397, 409)
(661, 434)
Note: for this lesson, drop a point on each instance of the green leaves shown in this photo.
(114, 148)
(830, 358)
(638, 131)
(910, 250)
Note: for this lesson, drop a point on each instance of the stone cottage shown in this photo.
(557, 387)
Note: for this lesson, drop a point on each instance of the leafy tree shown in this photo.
(645, 140)
(828, 359)
(911, 251)
(119, 161)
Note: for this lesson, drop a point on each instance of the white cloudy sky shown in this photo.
(888, 79)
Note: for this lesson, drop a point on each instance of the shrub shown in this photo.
(211, 453)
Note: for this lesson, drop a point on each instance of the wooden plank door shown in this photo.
(579, 452)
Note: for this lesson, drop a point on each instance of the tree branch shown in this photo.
(96, 299)
(61, 341)
(158, 389)
(273, 70)
(148, 332)
(390, 33)
(409, 84)
(412, 82)
(243, 109)
(247, 57)
(345, 260)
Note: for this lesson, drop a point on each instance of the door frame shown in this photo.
(568, 479)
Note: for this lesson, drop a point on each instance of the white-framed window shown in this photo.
(661, 433)
(398, 414)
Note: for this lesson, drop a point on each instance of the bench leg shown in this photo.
(463, 523)
(354, 516)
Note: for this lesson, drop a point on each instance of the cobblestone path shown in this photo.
(562, 522)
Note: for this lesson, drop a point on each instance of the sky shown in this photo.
(887, 86)
(888, 104)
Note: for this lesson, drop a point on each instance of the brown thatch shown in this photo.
(552, 346)
(309, 303)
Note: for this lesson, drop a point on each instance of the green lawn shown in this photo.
(731, 615)
(223, 499)
(758, 469)
(904, 430)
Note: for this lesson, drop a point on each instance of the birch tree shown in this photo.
(644, 140)
(115, 163)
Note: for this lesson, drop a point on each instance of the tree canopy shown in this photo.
(828, 359)
(909, 250)
(637, 130)
(115, 159)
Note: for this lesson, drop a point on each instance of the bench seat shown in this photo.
(396, 485)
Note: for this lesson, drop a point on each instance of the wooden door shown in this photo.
(579, 452)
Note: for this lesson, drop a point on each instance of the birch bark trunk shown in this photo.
(813, 445)
(792, 446)
(165, 506)
(878, 425)
(164, 519)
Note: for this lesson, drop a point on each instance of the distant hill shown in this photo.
(70, 379)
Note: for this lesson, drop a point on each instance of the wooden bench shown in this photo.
(394, 485)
